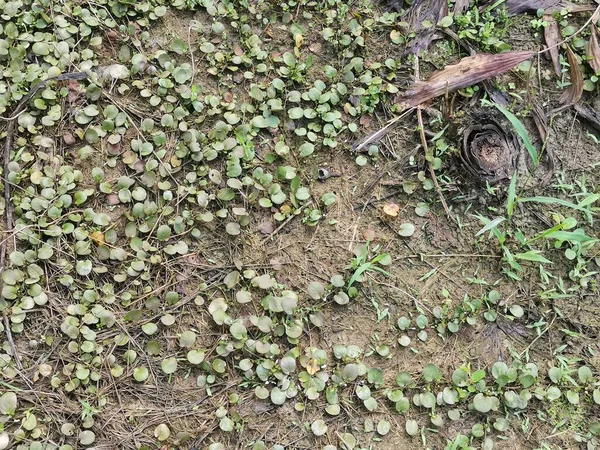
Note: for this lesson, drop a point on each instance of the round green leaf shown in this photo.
(306, 149)
(162, 432)
(41, 49)
(318, 427)
(84, 267)
(87, 437)
(412, 427)
(163, 233)
(383, 427)
(140, 374)
(195, 356)
(303, 193)
(406, 229)
(169, 365)
(8, 403)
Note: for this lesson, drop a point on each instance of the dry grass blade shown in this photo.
(426, 149)
(575, 90)
(543, 173)
(593, 50)
(469, 71)
(552, 37)
(592, 20)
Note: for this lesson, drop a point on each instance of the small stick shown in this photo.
(537, 337)
(426, 148)
(379, 176)
(288, 220)
(11, 342)
(356, 226)
(431, 171)
(191, 55)
(379, 133)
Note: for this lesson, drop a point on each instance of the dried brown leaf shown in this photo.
(266, 227)
(575, 90)
(469, 71)
(541, 120)
(589, 113)
(369, 235)
(68, 138)
(277, 263)
(515, 7)
(571, 7)
(312, 367)
(422, 17)
(74, 91)
(393, 5)
(593, 50)
(542, 174)
(552, 36)
(460, 6)
(391, 209)
(98, 238)
(425, 11)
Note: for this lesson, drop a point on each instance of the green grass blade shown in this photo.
(569, 236)
(495, 5)
(589, 200)
(519, 128)
(358, 272)
(512, 195)
(492, 224)
(567, 204)
(362, 269)
(543, 234)
(555, 201)
(532, 255)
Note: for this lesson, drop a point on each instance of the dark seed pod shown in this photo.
(489, 152)
(324, 174)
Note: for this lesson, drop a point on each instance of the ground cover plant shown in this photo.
(252, 224)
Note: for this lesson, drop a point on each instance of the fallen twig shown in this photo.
(538, 336)
(11, 342)
(288, 220)
(426, 149)
(380, 175)
(377, 135)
